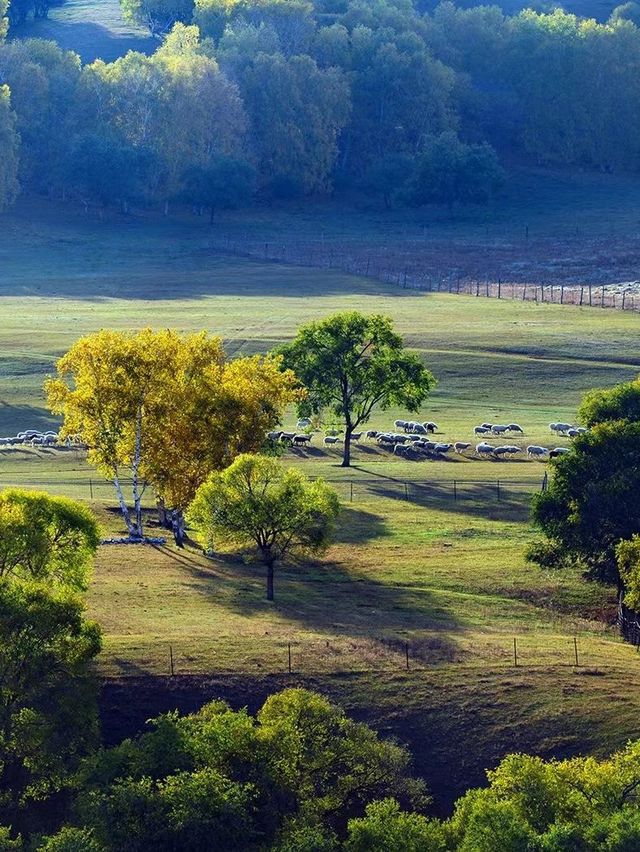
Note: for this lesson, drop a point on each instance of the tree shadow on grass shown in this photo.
(330, 597)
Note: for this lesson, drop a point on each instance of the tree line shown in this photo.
(267, 99)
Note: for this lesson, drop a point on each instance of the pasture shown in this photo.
(94, 30)
(412, 568)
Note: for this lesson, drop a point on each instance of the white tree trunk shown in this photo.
(135, 484)
(123, 507)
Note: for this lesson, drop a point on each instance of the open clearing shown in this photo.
(95, 29)
(410, 564)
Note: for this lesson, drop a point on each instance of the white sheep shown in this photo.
(480, 430)
(461, 446)
(443, 448)
(558, 451)
(513, 427)
(331, 439)
(484, 449)
(499, 429)
(533, 451)
(400, 424)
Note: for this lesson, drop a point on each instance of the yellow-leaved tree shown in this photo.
(163, 409)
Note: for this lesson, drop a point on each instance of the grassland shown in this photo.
(95, 29)
(409, 565)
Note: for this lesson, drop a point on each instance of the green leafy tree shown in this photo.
(259, 503)
(351, 364)
(628, 555)
(621, 402)
(626, 12)
(387, 178)
(48, 718)
(45, 538)
(297, 111)
(223, 184)
(386, 826)
(10, 147)
(158, 16)
(450, 172)
(591, 504)
(573, 804)
(288, 779)
(70, 839)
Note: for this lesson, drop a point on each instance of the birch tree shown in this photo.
(157, 408)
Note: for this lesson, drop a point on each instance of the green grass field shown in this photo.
(410, 563)
(95, 29)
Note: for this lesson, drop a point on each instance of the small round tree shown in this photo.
(257, 502)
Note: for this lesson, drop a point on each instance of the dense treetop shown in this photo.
(318, 97)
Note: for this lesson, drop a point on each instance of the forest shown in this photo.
(259, 100)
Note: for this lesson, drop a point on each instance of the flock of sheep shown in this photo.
(35, 438)
(412, 440)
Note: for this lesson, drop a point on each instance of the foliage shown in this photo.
(157, 15)
(351, 364)
(47, 707)
(70, 839)
(297, 112)
(628, 554)
(10, 147)
(46, 538)
(621, 402)
(276, 510)
(590, 503)
(165, 408)
(4, 22)
(579, 803)
(219, 779)
(449, 172)
(386, 826)
(223, 184)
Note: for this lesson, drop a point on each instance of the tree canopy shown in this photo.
(165, 409)
(221, 779)
(590, 504)
(621, 402)
(351, 364)
(9, 145)
(47, 702)
(275, 510)
(46, 538)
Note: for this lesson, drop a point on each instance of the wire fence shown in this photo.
(346, 655)
(349, 490)
(408, 271)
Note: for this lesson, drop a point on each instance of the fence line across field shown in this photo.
(389, 266)
(350, 656)
(348, 489)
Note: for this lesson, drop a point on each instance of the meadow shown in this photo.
(413, 570)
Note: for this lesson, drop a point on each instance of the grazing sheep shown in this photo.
(331, 439)
(484, 449)
(499, 429)
(443, 448)
(512, 449)
(534, 451)
(287, 437)
(558, 451)
(371, 433)
(386, 438)
(501, 451)
(488, 426)
(560, 428)
(513, 427)
(461, 446)
(400, 424)
(355, 436)
(400, 450)
(480, 430)
(572, 433)
(430, 426)
(418, 429)
(300, 440)
(271, 436)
